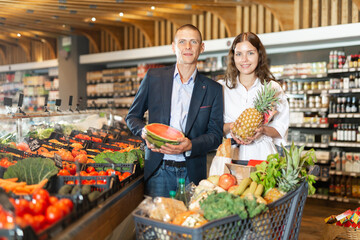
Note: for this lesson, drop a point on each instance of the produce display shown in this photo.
(158, 134)
(252, 118)
(50, 176)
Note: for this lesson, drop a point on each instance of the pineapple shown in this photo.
(273, 194)
(252, 118)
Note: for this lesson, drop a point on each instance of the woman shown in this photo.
(246, 73)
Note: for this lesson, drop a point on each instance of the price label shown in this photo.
(58, 161)
(34, 144)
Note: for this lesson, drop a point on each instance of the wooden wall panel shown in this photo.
(268, 21)
(157, 34)
(168, 32)
(306, 14)
(345, 11)
(297, 11)
(253, 18)
(334, 19)
(261, 20)
(126, 37)
(315, 20)
(325, 12)
(355, 13)
(239, 19)
(162, 31)
(207, 23)
(246, 17)
(215, 28)
(222, 30)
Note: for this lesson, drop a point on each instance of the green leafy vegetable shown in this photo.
(32, 170)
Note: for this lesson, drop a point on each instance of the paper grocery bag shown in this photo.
(218, 165)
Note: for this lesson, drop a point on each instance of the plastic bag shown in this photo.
(218, 165)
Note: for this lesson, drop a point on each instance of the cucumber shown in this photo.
(65, 190)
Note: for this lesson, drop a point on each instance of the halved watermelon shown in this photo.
(158, 134)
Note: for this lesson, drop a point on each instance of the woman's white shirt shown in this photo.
(238, 99)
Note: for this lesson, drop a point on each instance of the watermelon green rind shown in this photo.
(167, 134)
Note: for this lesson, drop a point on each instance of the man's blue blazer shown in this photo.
(204, 126)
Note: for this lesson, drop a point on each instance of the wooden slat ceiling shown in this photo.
(42, 19)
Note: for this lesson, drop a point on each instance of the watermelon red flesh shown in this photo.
(164, 132)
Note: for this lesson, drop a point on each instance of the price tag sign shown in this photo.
(34, 144)
(111, 162)
(58, 161)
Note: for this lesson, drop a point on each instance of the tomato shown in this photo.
(102, 173)
(21, 207)
(110, 172)
(53, 199)
(23, 147)
(41, 194)
(70, 182)
(90, 169)
(77, 151)
(81, 158)
(39, 222)
(53, 214)
(71, 168)
(63, 207)
(121, 178)
(68, 202)
(95, 139)
(226, 181)
(94, 174)
(38, 207)
(28, 219)
(64, 172)
(126, 174)
(83, 173)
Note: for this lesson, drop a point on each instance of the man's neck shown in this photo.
(185, 71)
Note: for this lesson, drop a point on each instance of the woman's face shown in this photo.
(246, 57)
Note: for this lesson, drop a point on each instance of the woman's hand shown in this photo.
(237, 140)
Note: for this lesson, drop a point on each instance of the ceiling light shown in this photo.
(64, 26)
(19, 35)
(152, 7)
(121, 14)
(43, 40)
(55, 17)
(93, 19)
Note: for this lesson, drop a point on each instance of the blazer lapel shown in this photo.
(166, 91)
(195, 103)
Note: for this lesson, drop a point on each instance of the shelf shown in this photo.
(344, 115)
(309, 109)
(343, 70)
(322, 179)
(314, 145)
(343, 199)
(309, 125)
(343, 173)
(350, 90)
(310, 76)
(344, 144)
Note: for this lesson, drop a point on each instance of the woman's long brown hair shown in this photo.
(262, 70)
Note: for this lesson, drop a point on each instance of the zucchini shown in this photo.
(259, 190)
(252, 187)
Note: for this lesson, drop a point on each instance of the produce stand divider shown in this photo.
(102, 220)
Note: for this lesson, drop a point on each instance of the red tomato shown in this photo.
(63, 207)
(93, 173)
(53, 199)
(71, 168)
(83, 173)
(90, 169)
(38, 207)
(110, 172)
(28, 219)
(21, 207)
(64, 172)
(39, 222)
(41, 194)
(126, 174)
(68, 202)
(102, 173)
(81, 158)
(53, 214)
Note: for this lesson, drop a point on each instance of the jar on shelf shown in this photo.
(321, 85)
(306, 86)
(294, 86)
(311, 102)
(317, 102)
(300, 86)
(324, 100)
(314, 85)
(327, 85)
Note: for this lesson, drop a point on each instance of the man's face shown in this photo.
(187, 46)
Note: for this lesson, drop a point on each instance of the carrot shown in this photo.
(9, 179)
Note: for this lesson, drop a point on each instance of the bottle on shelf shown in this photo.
(332, 186)
(334, 134)
(343, 186)
(354, 187)
(354, 108)
(348, 187)
(181, 193)
(337, 186)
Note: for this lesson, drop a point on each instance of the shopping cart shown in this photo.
(281, 221)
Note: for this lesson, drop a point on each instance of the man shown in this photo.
(179, 96)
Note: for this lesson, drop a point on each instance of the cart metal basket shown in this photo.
(281, 221)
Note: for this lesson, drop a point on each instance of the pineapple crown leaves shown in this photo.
(266, 98)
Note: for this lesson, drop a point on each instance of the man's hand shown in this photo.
(185, 145)
(149, 145)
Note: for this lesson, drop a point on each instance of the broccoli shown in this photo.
(131, 157)
(239, 207)
(259, 209)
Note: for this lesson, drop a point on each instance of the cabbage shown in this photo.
(32, 170)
